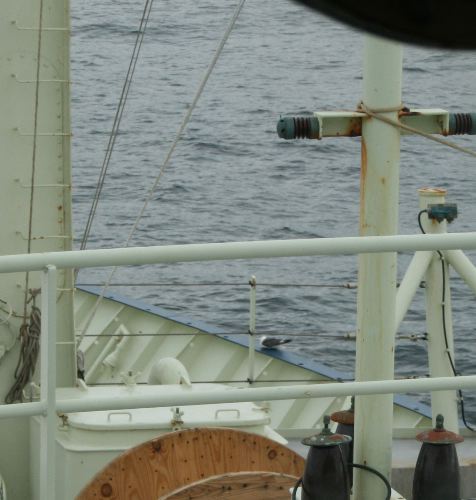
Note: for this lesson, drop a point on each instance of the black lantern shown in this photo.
(325, 475)
(437, 469)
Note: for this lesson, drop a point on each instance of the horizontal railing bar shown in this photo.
(236, 250)
(246, 381)
(235, 381)
(185, 397)
(23, 409)
(235, 395)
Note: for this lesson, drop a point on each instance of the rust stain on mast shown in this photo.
(363, 180)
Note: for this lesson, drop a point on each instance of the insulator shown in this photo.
(462, 123)
(298, 127)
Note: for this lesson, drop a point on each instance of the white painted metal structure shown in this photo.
(209, 356)
(35, 190)
(203, 252)
(439, 329)
(35, 143)
(252, 330)
(376, 299)
(147, 397)
(35, 138)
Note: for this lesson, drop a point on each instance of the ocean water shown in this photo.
(232, 178)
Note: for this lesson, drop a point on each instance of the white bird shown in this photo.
(273, 342)
(169, 371)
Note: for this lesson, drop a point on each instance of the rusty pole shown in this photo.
(376, 302)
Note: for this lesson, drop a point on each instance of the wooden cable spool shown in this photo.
(204, 458)
(237, 485)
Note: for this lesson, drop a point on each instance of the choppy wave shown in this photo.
(233, 179)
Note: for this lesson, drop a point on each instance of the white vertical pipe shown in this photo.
(377, 273)
(410, 283)
(252, 330)
(444, 402)
(48, 383)
(463, 266)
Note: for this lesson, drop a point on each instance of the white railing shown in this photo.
(236, 250)
(49, 262)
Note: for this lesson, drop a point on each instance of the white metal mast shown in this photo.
(379, 190)
(35, 184)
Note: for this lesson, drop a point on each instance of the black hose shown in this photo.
(296, 486)
(378, 474)
(443, 314)
(356, 466)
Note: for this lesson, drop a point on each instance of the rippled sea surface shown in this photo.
(231, 178)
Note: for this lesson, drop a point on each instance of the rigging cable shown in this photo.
(445, 334)
(117, 119)
(29, 333)
(33, 158)
(168, 157)
(349, 286)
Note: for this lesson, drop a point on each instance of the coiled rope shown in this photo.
(29, 350)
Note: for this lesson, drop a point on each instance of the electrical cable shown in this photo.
(296, 486)
(355, 466)
(453, 368)
(378, 474)
(445, 334)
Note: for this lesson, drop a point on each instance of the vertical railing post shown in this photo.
(48, 383)
(252, 331)
(376, 300)
(439, 322)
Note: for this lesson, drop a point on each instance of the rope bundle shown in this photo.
(29, 350)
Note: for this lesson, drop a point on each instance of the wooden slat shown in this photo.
(236, 486)
(161, 466)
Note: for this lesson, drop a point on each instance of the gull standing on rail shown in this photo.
(273, 342)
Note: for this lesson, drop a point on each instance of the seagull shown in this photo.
(169, 371)
(273, 342)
